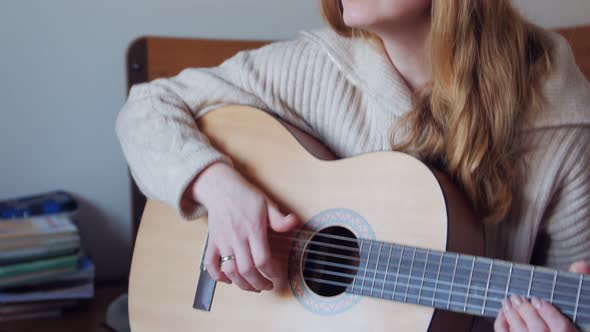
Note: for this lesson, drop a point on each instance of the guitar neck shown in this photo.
(463, 283)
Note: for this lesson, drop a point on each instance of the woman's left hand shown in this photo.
(520, 315)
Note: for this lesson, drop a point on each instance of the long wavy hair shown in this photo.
(487, 65)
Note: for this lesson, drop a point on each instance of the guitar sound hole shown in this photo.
(331, 260)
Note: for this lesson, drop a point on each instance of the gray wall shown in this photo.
(556, 13)
(62, 82)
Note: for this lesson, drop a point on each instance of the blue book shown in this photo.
(55, 202)
(83, 290)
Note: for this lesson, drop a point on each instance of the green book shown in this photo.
(13, 270)
(29, 279)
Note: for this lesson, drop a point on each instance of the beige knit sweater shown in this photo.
(347, 94)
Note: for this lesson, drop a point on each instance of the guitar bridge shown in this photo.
(205, 286)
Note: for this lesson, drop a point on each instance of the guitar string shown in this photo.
(420, 299)
(515, 289)
(381, 264)
(567, 274)
(573, 277)
(355, 248)
(579, 315)
(466, 293)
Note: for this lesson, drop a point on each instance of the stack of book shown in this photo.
(42, 268)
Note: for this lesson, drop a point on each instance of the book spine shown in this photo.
(36, 227)
(40, 265)
(15, 244)
(36, 278)
(34, 253)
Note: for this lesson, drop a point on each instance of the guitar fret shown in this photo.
(399, 265)
(485, 297)
(453, 281)
(509, 278)
(578, 299)
(410, 275)
(469, 285)
(376, 267)
(437, 278)
(528, 292)
(355, 274)
(366, 267)
(553, 287)
(386, 270)
(423, 276)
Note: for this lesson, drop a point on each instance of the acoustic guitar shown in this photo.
(388, 244)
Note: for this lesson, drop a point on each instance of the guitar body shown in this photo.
(385, 196)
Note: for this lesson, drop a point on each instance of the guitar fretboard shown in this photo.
(463, 283)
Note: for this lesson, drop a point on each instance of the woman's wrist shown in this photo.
(208, 181)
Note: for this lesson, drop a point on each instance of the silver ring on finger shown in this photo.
(223, 259)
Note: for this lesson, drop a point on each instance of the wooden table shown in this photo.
(88, 317)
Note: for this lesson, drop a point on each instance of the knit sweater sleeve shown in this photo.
(157, 129)
(567, 222)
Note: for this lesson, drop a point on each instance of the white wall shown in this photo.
(556, 13)
(62, 82)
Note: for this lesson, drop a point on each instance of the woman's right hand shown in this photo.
(239, 218)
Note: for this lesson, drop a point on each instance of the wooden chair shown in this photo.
(149, 58)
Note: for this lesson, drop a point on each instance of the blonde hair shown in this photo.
(488, 64)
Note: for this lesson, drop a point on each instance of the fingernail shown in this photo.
(516, 300)
(270, 286)
(536, 303)
(506, 304)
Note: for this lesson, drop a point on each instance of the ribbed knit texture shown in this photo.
(348, 94)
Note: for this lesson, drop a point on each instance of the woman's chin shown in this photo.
(355, 21)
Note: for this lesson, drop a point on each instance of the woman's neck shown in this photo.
(407, 49)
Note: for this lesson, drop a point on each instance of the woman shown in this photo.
(470, 86)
